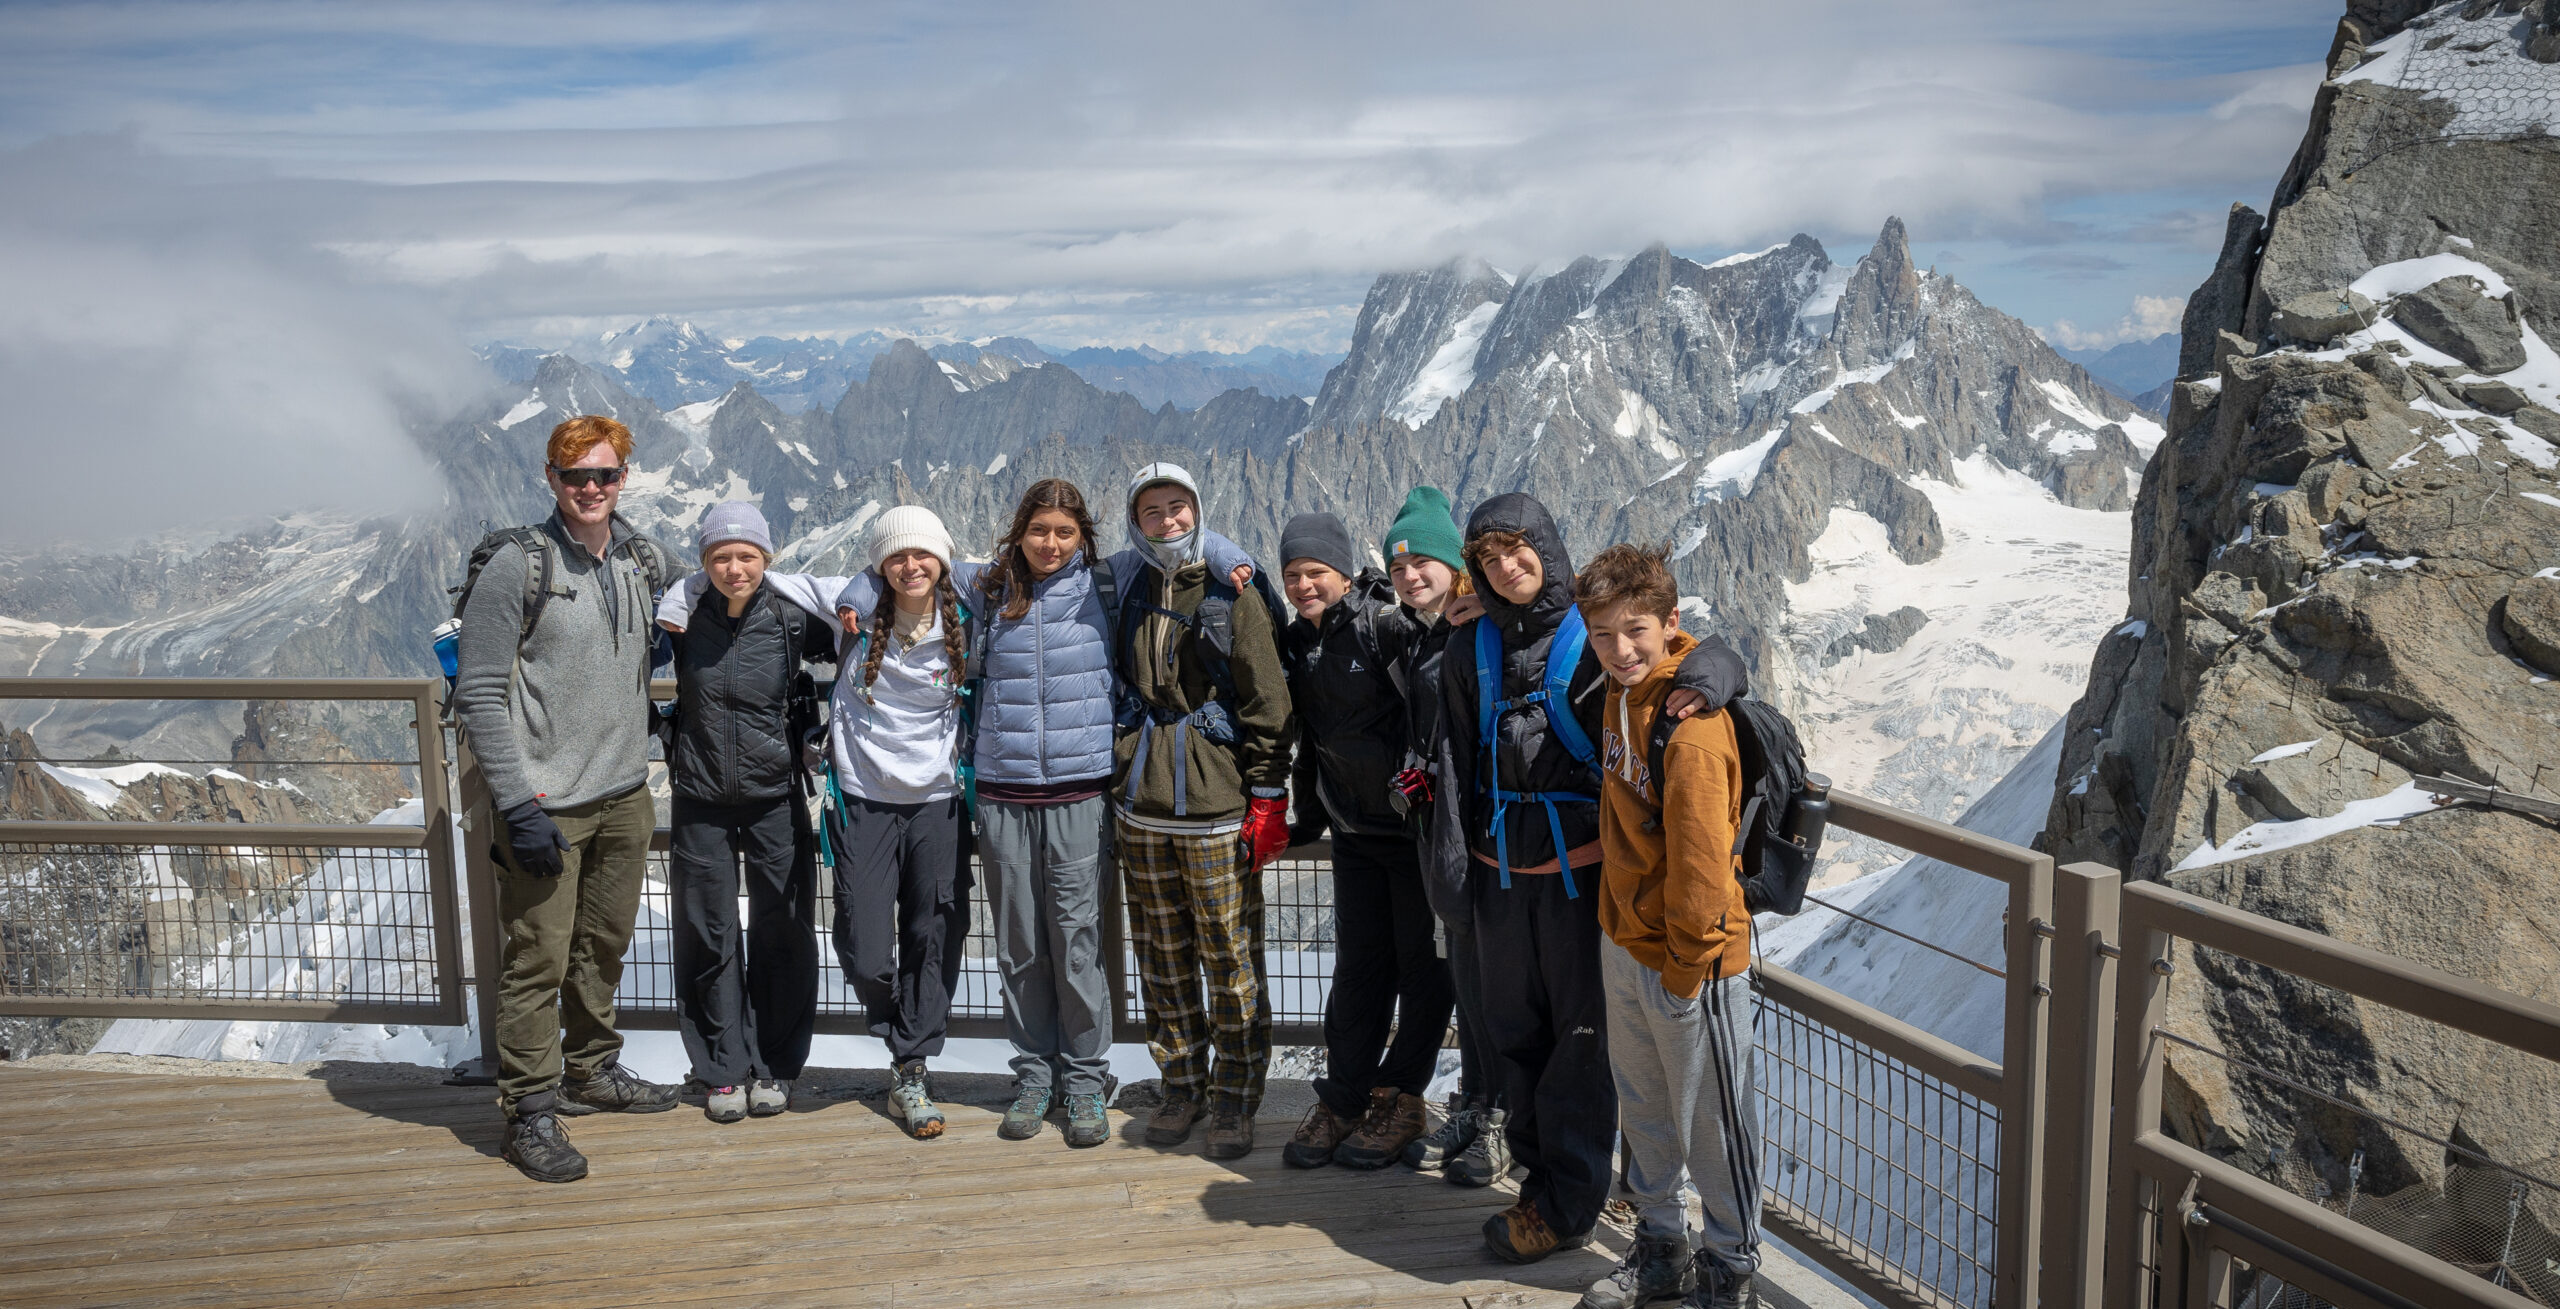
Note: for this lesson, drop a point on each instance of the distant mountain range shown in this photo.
(1906, 510)
(672, 363)
(2139, 371)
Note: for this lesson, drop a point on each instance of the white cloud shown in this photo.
(2150, 316)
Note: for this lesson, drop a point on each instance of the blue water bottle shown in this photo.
(447, 638)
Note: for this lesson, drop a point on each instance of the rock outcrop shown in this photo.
(2343, 570)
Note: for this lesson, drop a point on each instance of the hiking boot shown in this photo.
(614, 1091)
(539, 1149)
(1230, 1134)
(724, 1104)
(1395, 1121)
(1313, 1144)
(1087, 1124)
(911, 1102)
(1022, 1121)
(1720, 1287)
(1435, 1148)
(768, 1097)
(1520, 1235)
(1487, 1158)
(1656, 1268)
(1172, 1121)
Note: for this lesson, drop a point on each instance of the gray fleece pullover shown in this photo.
(569, 723)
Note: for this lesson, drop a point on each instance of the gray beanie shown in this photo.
(734, 520)
(1323, 538)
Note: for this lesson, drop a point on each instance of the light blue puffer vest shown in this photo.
(1044, 713)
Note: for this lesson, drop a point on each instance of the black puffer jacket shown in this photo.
(1351, 717)
(732, 742)
(1525, 751)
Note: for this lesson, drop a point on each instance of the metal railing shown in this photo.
(1921, 1173)
(2189, 1229)
(252, 921)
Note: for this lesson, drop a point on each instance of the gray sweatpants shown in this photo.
(1044, 888)
(1687, 1105)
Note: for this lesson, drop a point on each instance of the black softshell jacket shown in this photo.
(732, 741)
(1351, 717)
(1525, 749)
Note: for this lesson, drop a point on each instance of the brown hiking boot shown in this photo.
(1396, 1119)
(1173, 1120)
(1230, 1134)
(1313, 1144)
(1520, 1234)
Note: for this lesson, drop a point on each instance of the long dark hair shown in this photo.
(1010, 577)
(884, 617)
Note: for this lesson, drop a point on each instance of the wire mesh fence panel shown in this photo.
(1887, 1162)
(1297, 950)
(242, 923)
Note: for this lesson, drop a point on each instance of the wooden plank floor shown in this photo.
(120, 1189)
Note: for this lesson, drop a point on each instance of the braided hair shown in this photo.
(884, 617)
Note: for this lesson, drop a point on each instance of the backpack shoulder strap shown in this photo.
(1564, 655)
(1107, 586)
(540, 565)
(1657, 744)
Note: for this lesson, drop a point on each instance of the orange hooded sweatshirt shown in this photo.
(1671, 889)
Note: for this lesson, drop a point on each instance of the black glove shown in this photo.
(534, 840)
(1306, 831)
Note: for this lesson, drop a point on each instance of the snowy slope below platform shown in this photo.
(2024, 588)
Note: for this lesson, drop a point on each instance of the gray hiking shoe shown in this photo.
(768, 1097)
(1087, 1123)
(614, 1091)
(1656, 1268)
(724, 1104)
(1022, 1121)
(1487, 1158)
(1435, 1148)
(911, 1101)
(540, 1149)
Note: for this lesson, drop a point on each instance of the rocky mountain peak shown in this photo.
(2344, 559)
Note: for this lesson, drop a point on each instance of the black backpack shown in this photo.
(1775, 869)
(541, 566)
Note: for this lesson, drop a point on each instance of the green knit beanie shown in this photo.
(1426, 527)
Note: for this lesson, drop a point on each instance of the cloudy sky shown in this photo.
(301, 211)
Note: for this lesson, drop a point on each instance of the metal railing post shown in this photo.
(2139, 1216)
(2022, 1085)
(479, 825)
(2087, 907)
(435, 801)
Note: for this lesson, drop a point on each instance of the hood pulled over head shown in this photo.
(1175, 552)
(1514, 512)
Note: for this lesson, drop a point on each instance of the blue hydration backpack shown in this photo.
(1564, 654)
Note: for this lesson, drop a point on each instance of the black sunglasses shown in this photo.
(588, 476)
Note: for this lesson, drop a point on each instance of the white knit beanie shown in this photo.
(910, 527)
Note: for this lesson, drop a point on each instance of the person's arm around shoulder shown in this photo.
(1701, 897)
(675, 608)
(1264, 729)
(1459, 702)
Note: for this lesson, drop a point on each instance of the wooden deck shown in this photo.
(158, 1190)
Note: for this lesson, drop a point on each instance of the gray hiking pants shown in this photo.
(1044, 870)
(1688, 1108)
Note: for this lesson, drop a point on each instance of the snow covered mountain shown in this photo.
(673, 364)
(1900, 504)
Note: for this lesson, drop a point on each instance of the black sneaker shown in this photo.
(1656, 1268)
(1435, 1148)
(1720, 1287)
(614, 1091)
(540, 1149)
(1487, 1159)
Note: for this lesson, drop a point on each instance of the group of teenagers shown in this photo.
(1505, 846)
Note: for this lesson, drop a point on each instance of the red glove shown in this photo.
(1266, 830)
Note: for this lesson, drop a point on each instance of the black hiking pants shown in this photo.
(746, 1002)
(902, 915)
(1546, 1021)
(1387, 974)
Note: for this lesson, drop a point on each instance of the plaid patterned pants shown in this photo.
(1195, 914)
